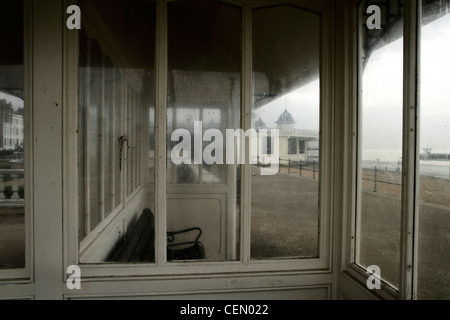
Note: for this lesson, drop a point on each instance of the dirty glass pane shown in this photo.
(286, 111)
(94, 139)
(116, 105)
(380, 140)
(12, 104)
(434, 182)
(204, 81)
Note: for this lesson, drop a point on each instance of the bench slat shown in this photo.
(126, 251)
(145, 241)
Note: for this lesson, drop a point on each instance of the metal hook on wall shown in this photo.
(122, 141)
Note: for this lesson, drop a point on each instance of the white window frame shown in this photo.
(25, 275)
(51, 163)
(161, 268)
(349, 272)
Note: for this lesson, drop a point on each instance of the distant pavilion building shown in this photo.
(295, 144)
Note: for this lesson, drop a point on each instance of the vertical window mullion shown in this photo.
(356, 221)
(415, 248)
(130, 134)
(410, 150)
(124, 154)
(114, 129)
(161, 66)
(127, 150)
(246, 116)
(137, 135)
(141, 172)
(122, 130)
(86, 139)
(103, 138)
(27, 139)
(118, 105)
(136, 140)
(140, 141)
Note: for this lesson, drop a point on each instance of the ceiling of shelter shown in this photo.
(286, 50)
(130, 24)
(205, 36)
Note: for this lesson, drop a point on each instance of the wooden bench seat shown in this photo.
(139, 243)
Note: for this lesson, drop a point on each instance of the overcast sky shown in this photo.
(16, 102)
(302, 103)
(436, 85)
(382, 116)
(383, 95)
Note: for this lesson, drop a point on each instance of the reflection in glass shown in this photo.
(115, 115)
(434, 186)
(12, 143)
(286, 97)
(380, 142)
(203, 102)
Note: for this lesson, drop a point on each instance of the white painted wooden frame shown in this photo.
(350, 240)
(51, 186)
(44, 86)
(43, 61)
(54, 184)
(350, 277)
(319, 266)
(129, 194)
(55, 201)
(24, 275)
(411, 152)
(48, 83)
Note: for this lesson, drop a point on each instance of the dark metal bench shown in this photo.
(139, 243)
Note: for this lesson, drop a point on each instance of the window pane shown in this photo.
(116, 102)
(292, 148)
(434, 186)
(12, 213)
(380, 141)
(203, 102)
(95, 138)
(286, 97)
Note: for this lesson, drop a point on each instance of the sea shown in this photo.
(391, 160)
